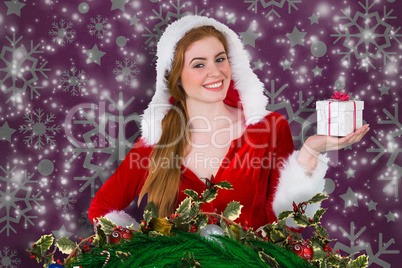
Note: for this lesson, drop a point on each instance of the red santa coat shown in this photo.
(253, 165)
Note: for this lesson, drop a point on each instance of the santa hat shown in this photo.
(245, 91)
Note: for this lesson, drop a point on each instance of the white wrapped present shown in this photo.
(336, 117)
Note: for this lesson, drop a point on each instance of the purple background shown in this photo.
(47, 189)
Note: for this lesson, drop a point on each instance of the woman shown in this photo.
(208, 118)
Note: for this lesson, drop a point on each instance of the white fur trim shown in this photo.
(250, 88)
(296, 185)
(121, 218)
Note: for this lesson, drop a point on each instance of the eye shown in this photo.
(198, 65)
(221, 59)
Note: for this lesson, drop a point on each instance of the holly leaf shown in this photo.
(232, 210)
(318, 214)
(107, 226)
(194, 210)
(100, 238)
(324, 264)
(41, 246)
(319, 253)
(317, 243)
(201, 222)
(150, 212)
(321, 230)
(224, 185)
(281, 225)
(48, 259)
(226, 229)
(284, 215)
(192, 194)
(277, 236)
(65, 245)
(268, 259)
(299, 221)
(209, 195)
(334, 261)
(235, 232)
(45, 242)
(360, 262)
(317, 198)
(123, 256)
(184, 208)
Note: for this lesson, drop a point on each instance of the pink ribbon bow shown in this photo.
(340, 96)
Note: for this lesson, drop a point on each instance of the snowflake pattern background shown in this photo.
(39, 129)
(8, 259)
(20, 69)
(71, 119)
(62, 32)
(126, 71)
(99, 26)
(18, 199)
(73, 82)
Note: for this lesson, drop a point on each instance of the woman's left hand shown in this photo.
(323, 143)
(314, 145)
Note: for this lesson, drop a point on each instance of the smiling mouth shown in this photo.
(214, 85)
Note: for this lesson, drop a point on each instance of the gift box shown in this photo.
(339, 116)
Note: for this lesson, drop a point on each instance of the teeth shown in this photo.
(214, 85)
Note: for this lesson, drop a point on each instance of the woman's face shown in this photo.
(206, 71)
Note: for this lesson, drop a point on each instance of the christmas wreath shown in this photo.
(193, 238)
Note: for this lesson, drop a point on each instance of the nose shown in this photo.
(213, 70)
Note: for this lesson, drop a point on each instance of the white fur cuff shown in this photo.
(121, 218)
(295, 185)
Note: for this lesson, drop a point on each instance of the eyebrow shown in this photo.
(217, 55)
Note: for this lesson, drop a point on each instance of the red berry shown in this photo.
(246, 223)
(90, 240)
(178, 214)
(146, 228)
(80, 238)
(33, 245)
(311, 220)
(337, 251)
(328, 255)
(266, 238)
(308, 240)
(246, 228)
(303, 211)
(114, 228)
(120, 226)
(32, 256)
(172, 216)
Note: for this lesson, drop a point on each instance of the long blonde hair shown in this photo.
(163, 181)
